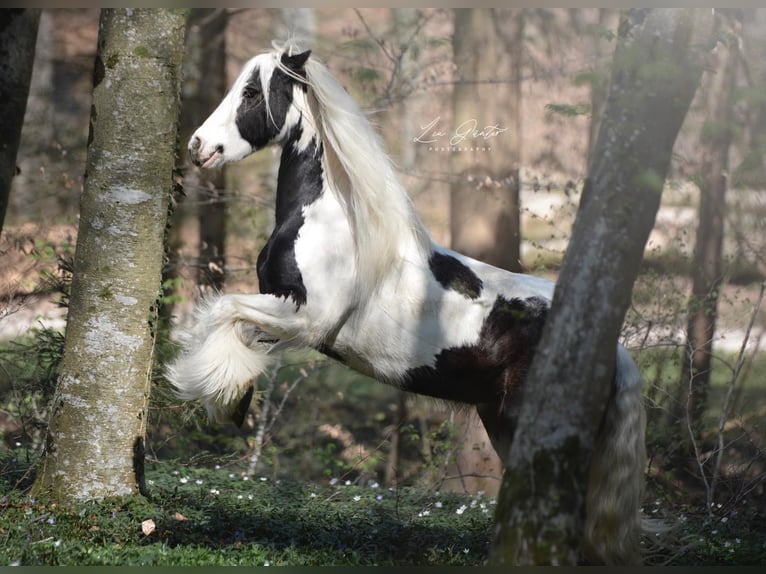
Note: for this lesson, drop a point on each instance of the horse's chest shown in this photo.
(308, 254)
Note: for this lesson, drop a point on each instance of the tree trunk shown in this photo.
(18, 35)
(94, 446)
(484, 196)
(209, 58)
(600, 79)
(718, 86)
(751, 171)
(541, 508)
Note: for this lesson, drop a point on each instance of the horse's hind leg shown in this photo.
(500, 426)
(227, 347)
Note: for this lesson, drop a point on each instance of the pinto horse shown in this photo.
(351, 271)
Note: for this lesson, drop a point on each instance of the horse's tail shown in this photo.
(220, 358)
(613, 523)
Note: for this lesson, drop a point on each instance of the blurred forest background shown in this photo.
(540, 78)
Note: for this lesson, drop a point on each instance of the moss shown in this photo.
(106, 293)
(141, 52)
(528, 531)
(112, 60)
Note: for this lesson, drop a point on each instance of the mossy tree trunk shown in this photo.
(18, 35)
(541, 508)
(94, 446)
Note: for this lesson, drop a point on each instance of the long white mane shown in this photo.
(383, 219)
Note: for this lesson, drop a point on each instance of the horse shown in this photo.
(350, 270)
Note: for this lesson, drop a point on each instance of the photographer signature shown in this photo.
(468, 130)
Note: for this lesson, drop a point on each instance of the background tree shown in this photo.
(94, 445)
(18, 34)
(708, 277)
(656, 69)
(207, 82)
(484, 193)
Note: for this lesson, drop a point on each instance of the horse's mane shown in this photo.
(383, 219)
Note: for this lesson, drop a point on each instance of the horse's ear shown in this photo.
(297, 61)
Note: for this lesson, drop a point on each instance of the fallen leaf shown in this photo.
(180, 517)
(148, 526)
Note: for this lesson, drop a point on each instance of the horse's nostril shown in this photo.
(219, 148)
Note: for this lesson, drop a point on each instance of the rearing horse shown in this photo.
(351, 271)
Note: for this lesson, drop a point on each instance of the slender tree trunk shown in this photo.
(18, 35)
(718, 86)
(94, 446)
(541, 508)
(751, 172)
(484, 196)
(210, 59)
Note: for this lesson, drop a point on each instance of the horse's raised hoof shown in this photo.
(239, 412)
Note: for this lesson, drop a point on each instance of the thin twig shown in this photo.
(264, 417)
(730, 390)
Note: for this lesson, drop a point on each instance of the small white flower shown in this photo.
(466, 550)
(333, 481)
(184, 479)
(313, 495)
(245, 477)
(725, 519)
(264, 479)
(198, 481)
(357, 498)
(267, 563)
(240, 497)
(348, 483)
(438, 504)
(374, 485)
(215, 491)
(462, 509)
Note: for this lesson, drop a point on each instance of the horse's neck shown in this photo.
(299, 181)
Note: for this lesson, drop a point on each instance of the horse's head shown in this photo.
(254, 113)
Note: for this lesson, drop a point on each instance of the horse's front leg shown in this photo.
(227, 347)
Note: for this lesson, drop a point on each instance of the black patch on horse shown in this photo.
(300, 184)
(257, 125)
(493, 368)
(453, 275)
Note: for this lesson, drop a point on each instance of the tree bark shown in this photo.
(94, 446)
(541, 508)
(718, 86)
(18, 35)
(484, 196)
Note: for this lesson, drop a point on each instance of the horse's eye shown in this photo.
(250, 92)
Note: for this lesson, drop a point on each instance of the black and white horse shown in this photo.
(351, 271)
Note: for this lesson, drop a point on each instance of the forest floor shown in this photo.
(220, 516)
